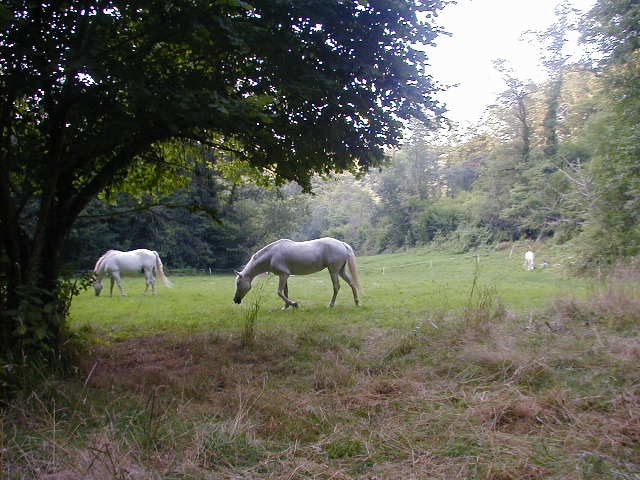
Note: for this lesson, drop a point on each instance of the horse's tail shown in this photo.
(353, 267)
(160, 271)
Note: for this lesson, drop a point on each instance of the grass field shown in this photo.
(455, 366)
(400, 290)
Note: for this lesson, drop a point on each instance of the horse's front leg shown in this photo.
(116, 276)
(286, 294)
(283, 292)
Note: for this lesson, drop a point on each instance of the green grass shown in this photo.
(532, 377)
(399, 289)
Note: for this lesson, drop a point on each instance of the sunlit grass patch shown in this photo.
(397, 288)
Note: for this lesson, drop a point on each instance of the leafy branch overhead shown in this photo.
(297, 87)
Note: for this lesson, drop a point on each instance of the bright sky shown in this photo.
(483, 31)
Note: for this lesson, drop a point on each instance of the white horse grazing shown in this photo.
(530, 260)
(285, 257)
(115, 263)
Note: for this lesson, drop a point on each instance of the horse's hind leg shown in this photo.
(347, 278)
(336, 286)
(150, 280)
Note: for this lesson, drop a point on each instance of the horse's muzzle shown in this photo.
(237, 300)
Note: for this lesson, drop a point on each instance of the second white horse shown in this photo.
(115, 263)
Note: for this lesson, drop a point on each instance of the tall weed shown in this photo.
(484, 306)
(248, 333)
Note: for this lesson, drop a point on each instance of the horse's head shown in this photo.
(243, 285)
(97, 284)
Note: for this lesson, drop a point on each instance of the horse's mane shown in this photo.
(103, 258)
(264, 250)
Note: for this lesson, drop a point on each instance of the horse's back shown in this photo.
(132, 261)
(143, 252)
(300, 258)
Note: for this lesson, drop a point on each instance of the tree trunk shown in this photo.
(525, 128)
(550, 123)
(35, 307)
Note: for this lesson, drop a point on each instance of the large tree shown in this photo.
(95, 90)
(613, 229)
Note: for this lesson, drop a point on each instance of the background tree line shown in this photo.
(558, 159)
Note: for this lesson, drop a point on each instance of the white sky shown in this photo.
(483, 31)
